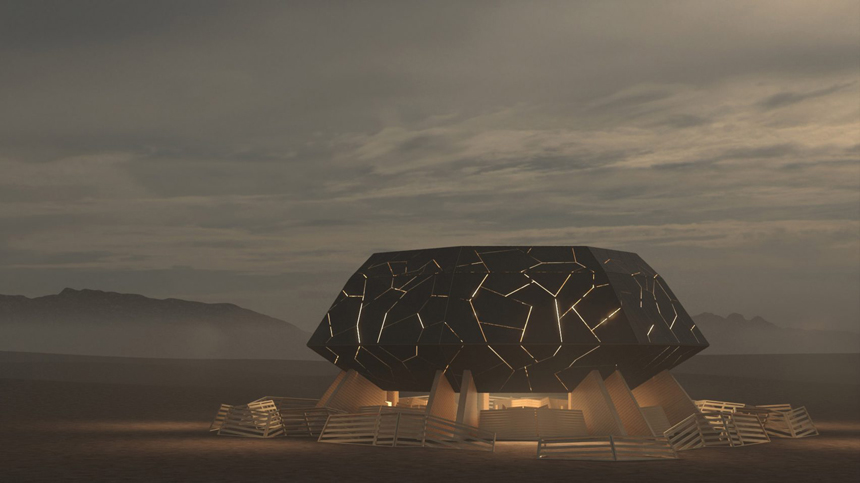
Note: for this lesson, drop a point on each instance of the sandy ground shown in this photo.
(78, 431)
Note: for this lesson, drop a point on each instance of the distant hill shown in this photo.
(92, 322)
(735, 334)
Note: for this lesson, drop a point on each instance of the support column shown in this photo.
(392, 397)
(592, 398)
(468, 407)
(441, 402)
(663, 390)
(628, 409)
(350, 391)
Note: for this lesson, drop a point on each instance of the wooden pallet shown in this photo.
(606, 448)
(530, 424)
(259, 419)
(794, 423)
(305, 422)
(219, 417)
(707, 405)
(716, 429)
(290, 402)
(391, 427)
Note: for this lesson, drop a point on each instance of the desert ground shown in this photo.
(66, 418)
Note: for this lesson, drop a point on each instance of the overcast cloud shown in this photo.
(258, 152)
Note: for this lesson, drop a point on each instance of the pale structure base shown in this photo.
(350, 391)
(663, 390)
(442, 402)
(628, 409)
(592, 398)
(468, 407)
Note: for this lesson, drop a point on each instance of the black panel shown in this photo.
(420, 309)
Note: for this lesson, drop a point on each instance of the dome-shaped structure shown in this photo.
(521, 319)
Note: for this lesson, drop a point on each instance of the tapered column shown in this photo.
(350, 391)
(628, 409)
(663, 390)
(592, 398)
(468, 409)
(442, 401)
(392, 397)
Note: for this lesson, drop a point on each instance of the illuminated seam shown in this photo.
(558, 320)
(452, 360)
(479, 286)
(562, 285)
(529, 353)
(420, 321)
(694, 334)
(357, 322)
(584, 322)
(571, 365)
(556, 351)
(649, 332)
(482, 259)
(381, 327)
(493, 291)
(380, 360)
(660, 312)
(527, 378)
(583, 355)
(355, 358)
(527, 324)
(500, 357)
(499, 325)
(541, 286)
(562, 382)
(453, 331)
(335, 354)
(478, 321)
(517, 290)
(412, 357)
(330, 329)
(607, 318)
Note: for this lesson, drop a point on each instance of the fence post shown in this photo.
(376, 430)
(612, 448)
(322, 432)
(396, 428)
(307, 423)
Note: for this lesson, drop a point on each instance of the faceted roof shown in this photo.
(522, 319)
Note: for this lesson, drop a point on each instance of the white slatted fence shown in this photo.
(606, 448)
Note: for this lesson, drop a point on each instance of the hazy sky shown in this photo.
(257, 152)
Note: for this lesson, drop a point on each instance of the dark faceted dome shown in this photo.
(522, 319)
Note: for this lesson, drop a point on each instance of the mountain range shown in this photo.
(97, 323)
(735, 334)
(93, 322)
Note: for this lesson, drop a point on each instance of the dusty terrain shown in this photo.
(74, 430)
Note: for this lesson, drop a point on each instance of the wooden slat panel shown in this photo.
(628, 409)
(591, 397)
(663, 390)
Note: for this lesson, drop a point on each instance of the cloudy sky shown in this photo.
(257, 152)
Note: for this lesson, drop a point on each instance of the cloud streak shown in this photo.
(153, 150)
